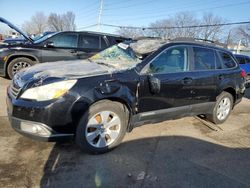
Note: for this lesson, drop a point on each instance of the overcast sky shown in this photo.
(123, 12)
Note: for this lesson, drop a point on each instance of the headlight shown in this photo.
(49, 91)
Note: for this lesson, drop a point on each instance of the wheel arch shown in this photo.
(14, 56)
(231, 91)
(82, 106)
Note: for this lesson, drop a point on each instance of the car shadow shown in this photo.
(170, 161)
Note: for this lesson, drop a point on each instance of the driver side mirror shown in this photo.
(49, 44)
(154, 84)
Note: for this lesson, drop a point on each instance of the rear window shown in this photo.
(204, 59)
(226, 60)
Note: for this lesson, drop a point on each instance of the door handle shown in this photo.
(187, 81)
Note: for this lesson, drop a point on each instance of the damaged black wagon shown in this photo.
(96, 101)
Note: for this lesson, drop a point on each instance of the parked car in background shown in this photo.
(95, 101)
(14, 40)
(244, 62)
(11, 41)
(68, 45)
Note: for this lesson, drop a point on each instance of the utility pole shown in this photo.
(99, 16)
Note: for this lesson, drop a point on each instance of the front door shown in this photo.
(166, 85)
(60, 47)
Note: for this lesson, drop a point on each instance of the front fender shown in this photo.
(114, 90)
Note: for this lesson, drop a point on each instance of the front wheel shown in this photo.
(102, 128)
(17, 64)
(222, 108)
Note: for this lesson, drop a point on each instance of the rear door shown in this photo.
(203, 68)
(64, 47)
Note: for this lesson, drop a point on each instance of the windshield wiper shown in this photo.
(102, 63)
(106, 64)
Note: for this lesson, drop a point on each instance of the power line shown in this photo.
(168, 9)
(91, 6)
(132, 5)
(179, 27)
(86, 27)
(122, 2)
(197, 10)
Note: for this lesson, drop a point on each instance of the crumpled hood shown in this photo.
(61, 69)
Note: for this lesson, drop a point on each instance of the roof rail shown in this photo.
(216, 43)
(147, 37)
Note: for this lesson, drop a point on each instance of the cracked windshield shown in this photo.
(119, 56)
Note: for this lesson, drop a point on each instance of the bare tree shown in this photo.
(158, 31)
(244, 34)
(64, 22)
(37, 24)
(69, 21)
(176, 26)
(211, 32)
(131, 32)
(182, 20)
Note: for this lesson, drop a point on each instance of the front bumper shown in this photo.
(45, 121)
(37, 131)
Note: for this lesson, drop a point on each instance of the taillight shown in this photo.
(243, 73)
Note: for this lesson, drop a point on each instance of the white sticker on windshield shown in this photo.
(123, 46)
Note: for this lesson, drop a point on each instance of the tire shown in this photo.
(17, 64)
(93, 134)
(222, 108)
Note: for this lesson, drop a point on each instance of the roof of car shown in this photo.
(204, 44)
(97, 33)
(148, 45)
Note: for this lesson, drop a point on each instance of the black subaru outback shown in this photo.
(95, 101)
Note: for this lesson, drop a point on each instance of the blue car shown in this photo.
(244, 62)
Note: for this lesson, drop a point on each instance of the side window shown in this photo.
(241, 60)
(204, 59)
(65, 40)
(103, 43)
(169, 61)
(88, 41)
(227, 60)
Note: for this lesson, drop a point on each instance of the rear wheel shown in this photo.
(102, 128)
(222, 108)
(17, 64)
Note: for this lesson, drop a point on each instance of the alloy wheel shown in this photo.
(18, 66)
(103, 129)
(223, 108)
